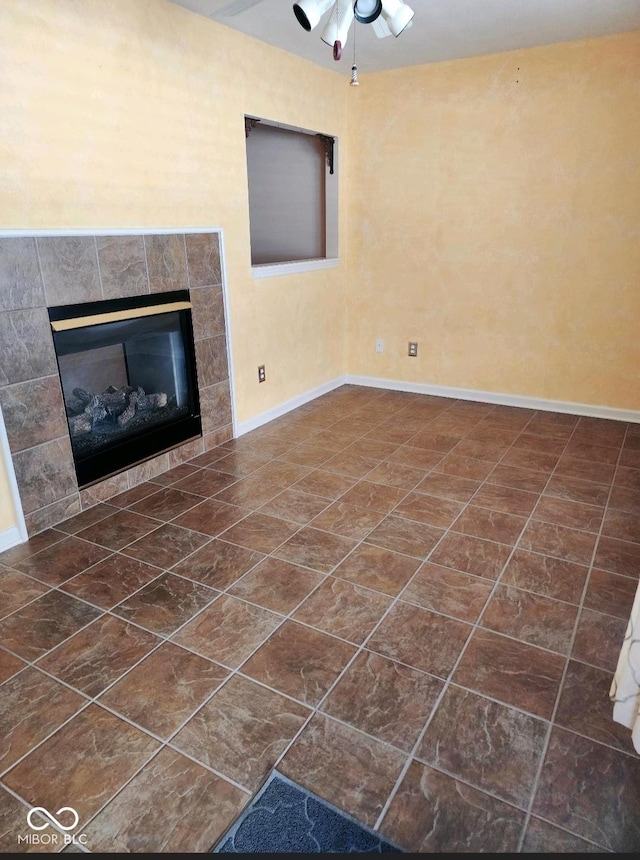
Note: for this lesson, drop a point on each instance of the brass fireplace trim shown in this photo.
(117, 316)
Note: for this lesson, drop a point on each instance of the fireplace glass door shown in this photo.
(128, 376)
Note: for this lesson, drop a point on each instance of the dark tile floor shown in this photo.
(410, 605)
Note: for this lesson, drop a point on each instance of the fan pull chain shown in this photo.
(354, 69)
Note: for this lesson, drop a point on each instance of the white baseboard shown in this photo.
(569, 407)
(275, 412)
(586, 409)
(11, 537)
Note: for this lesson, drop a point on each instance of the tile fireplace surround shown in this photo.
(41, 271)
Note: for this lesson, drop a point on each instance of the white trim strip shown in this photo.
(10, 538)
(90, 231)
(271, 270)
(258, 420)
(586, 409)
(17, 533)
(570, 408)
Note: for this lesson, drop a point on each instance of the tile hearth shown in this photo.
(410, 605)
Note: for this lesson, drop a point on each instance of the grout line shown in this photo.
(395, 600)
(475, 626)
(569, 651)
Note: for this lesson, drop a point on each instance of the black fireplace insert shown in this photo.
(128, 374)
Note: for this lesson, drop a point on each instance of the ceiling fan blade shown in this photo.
(380, 27)
(236, 8)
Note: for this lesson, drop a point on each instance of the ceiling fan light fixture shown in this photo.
(397, 15)
(309, 12)
(366, 11)
(337, 27)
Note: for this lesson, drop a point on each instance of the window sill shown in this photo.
(271, 270)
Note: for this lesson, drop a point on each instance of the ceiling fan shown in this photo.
(387, 17)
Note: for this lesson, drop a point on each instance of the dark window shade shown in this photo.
(287, 196)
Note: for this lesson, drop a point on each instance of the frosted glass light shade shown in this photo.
(397, 15)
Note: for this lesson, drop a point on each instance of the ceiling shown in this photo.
(441, 29)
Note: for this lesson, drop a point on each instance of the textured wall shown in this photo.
(491, 204)
(493, 216)
(119, 114)
(131, 115)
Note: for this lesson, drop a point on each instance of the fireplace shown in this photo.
(128, 374)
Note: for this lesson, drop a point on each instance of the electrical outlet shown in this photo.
(261, 373)
(413, 348)
(379, 345)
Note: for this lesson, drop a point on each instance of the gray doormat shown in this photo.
(285, 818)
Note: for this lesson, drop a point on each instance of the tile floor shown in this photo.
(411, 605)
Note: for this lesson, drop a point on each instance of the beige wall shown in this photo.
(131, 114)
(494, 219)
(492, 207)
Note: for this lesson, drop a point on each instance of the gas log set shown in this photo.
(115, 407)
